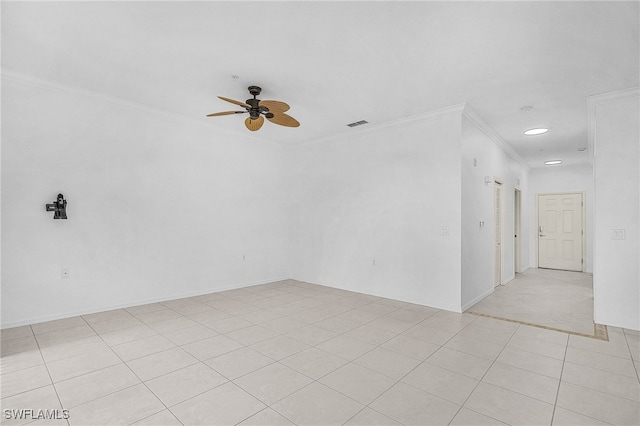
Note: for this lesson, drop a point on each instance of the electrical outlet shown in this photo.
(444, 231)
(374, 262)
(618, 234)
(65, 273)
(244, 257)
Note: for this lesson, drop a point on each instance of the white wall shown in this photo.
(577, 178)
(382, 194)
(477, 205)
(617, 206)
(159, 207)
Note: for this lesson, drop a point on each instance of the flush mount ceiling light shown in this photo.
(553, 162)
(536, 131)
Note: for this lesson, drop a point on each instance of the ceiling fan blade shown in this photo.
(275, 106)
(252, 124)
(216, 114)
(284, 120)
(242, 104)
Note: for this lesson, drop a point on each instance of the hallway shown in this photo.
(560, 300)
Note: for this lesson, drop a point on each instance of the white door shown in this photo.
(497, 220)
(516, 228)
(560, 231)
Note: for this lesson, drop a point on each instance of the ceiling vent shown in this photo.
(357, 123)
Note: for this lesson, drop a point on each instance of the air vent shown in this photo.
(357, 123)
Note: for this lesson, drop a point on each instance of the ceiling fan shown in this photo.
(274, 111)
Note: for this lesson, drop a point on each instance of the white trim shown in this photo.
(37, 320)
(477, 299)
(484, 127)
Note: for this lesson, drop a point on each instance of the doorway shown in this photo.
(516, 230)
(498, 232)
(561, 231)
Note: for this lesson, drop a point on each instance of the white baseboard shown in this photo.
(477, 299)
(36, 320)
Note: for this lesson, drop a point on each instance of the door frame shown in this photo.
(584, 224)
(517, 227)
(498, 181)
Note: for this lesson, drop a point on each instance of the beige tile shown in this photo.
(165, 326)
(337, 325)
(317, 404)
(16, 332)
(410, 347)
(357, 382)
(562, 417)
(20, 361)
(613, 384)
(609, 363)
(211, 347)
(18, 345)
(509, 407)
(115, 324)
(491, 335)
(374, 335)
(225, 405)
(280, 347)
(24, 380)
(411, 406)
(369, 417)
(123, 407)
(94, 385)
(460, 362)
(474, 346)
(180, 385)
(535, 363)
(345, 347)
(159, 315)
(446, 384)
(601, 406)
(391, 364)
(226, 325)
(128, 335)
(537, 333)
(616, 346)
(160, 363)
(312, 335)
(466, 417)
(266, 417)
(522, 381)
(283, 324)
(83, 363)
(540, 347)
(190, 334)
(143, 347)
(208, 316)
(314, 362)
(261, 316)
(392, 324)
(193, 308)
(64, 335)
(163, 418)
(55, 325)
(238, 362)
(272, 383)
(429, 334)
(73, 348)
(42, 397)
(251, 335)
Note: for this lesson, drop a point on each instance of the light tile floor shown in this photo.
(294, 353)
(561, 300)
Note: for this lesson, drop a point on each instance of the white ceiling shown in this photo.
(339, 62)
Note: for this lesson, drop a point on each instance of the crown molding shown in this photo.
(604, 98)
(474, 118)
(117, 102)
(400, 122)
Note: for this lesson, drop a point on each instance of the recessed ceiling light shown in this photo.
(536, 131)
(552, 162)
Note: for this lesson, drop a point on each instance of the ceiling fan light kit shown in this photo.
(258, 110)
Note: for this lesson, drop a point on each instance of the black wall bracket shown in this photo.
(59, 208)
